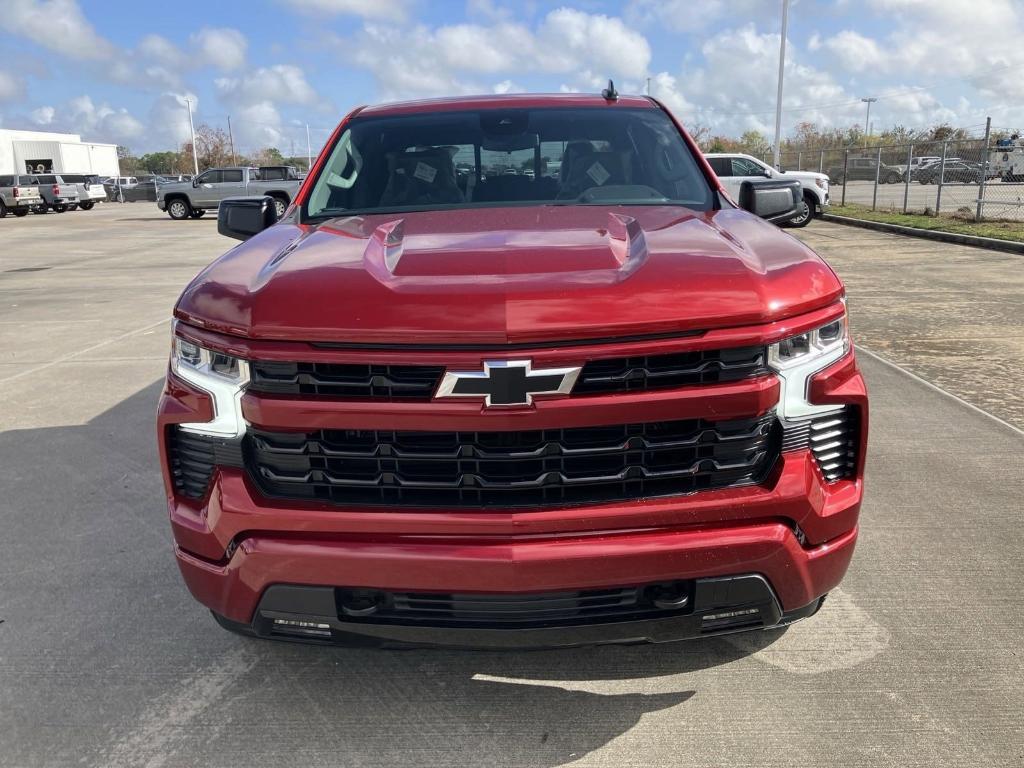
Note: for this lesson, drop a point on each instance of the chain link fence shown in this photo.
(966, 178)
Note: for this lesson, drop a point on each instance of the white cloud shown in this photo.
(691, 16)
(168, 119)
(507, 86)
(736, 104)
(58, 25)
(283, 83)
(95, 122)
(221, 47)
(385, 10)
(453, 59)
(12, 87)
(854, 51)
(43, 115)
(161, 51)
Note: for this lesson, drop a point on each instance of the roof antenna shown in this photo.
(609, 93)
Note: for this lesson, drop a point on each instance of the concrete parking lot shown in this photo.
(105, 660)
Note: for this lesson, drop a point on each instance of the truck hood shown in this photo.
(173, 186)
(509, 275)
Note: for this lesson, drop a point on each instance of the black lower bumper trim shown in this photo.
(720, 605)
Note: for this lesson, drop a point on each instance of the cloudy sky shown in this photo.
(120, 70)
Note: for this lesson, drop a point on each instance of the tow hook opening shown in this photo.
(359, 603)
(670, 597)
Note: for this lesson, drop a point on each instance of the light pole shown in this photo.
(192, 129)
(869, 101)
(309, 152)
(778, 95)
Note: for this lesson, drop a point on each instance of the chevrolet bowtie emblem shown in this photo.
(508, 382)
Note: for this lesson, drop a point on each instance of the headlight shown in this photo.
(223, 377)
(799, 357)
(822, 183)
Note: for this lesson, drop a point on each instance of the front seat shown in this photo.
(423, 177)
(596, 169)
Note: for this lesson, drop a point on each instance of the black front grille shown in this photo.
(418, 382)
(516, 610)
(508, 469)
(377, 382)
(628, 374)
(833, 439)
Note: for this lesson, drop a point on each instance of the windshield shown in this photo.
(578, 156)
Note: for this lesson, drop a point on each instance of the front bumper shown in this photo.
(161, 204)
(795, 531)
(717, 606)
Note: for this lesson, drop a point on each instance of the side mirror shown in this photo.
(195, 183)
(243, 217)
(776, 200)
(768, 173)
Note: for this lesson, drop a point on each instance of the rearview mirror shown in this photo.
(243, 217)
(776, 200)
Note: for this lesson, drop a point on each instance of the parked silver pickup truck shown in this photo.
(193, 198)
(18, 194)
(58, 195)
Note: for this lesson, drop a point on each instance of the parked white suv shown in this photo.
(734, 169)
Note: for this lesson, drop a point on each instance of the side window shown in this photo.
(6, 181)
(722, 166)
(743, 167)
(210, 177)
(232, 176)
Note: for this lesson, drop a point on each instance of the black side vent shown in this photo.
(192, 458)
(832, 438)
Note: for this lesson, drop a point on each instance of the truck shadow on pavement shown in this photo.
(91, 592)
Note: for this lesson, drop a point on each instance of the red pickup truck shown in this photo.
(513, 371)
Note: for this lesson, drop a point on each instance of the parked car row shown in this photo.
(924, 170)
(43, 192)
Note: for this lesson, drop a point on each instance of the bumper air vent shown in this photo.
(833, 438)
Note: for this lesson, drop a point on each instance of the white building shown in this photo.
(41, 151)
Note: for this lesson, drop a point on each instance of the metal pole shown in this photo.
(782, 69)
(984, 170)
(878, 167)
(231, 141)
(869, 100)
(192, 129)
(906, 177)
(846, 163)
(648, 86)
(942, 176)
(799, 161)
(821, 161)
(309, 151)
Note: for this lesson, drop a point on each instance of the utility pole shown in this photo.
(778, 95)
(309, 151)
(231, 141)
(648, 86)
(984, 170)
(192, 129)
(867, 125)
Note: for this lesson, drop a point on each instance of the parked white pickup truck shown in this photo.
(734, 169)
(191, 199)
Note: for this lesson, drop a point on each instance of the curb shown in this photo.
(991, 243)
